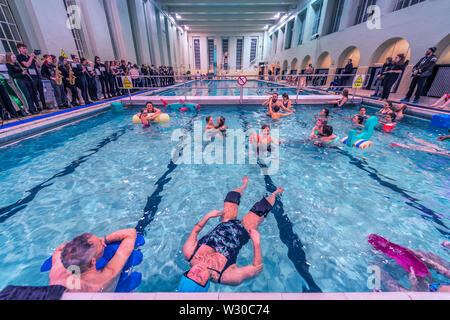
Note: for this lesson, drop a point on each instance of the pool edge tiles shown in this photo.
(260, 296)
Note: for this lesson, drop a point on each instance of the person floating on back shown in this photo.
(213, 257)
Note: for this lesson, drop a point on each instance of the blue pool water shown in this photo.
(227, 88)
(104, 174)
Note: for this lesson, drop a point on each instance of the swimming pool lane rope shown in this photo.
(10, 210)
(286, 230)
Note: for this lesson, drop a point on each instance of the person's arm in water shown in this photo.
(234, 276)
(313, 133)
(155, 115)
(432, 264)
(342, 102)
(443, 138)
(127, 237)
(277, 143)
(288, 108)
(191, 242)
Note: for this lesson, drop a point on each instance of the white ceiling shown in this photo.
(227, 16)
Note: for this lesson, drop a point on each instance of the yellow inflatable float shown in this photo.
(164, 117)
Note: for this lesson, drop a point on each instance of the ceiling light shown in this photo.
(277, 15)
(266, 27)
(177, 16)
(186, 28)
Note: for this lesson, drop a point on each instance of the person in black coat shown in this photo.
(392, 74)
(100, 71)
(23, 81)
(48, 72)
(421, 72)
(81, 82)
(348, 70)
(6, 104)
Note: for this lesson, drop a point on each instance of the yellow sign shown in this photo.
(358, 83)
(127, 83)
(63, 54)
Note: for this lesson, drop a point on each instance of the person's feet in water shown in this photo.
(245, 181)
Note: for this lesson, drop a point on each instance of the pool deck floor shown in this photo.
(260, 296)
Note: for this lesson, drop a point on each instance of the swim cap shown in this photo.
(188, 285)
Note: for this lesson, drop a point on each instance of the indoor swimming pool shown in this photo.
(106, 173)
(228, 88)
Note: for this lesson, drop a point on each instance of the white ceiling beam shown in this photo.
(175, 3)
(230, 9)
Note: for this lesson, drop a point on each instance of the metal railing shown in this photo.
(297, 83)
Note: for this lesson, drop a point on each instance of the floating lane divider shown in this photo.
(286, 229)
(153, 201)
(8, 211)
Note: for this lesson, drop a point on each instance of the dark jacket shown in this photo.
(425, 66)
(48, 71)
(348, 69)
(15, 71)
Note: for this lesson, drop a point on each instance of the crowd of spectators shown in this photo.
(75, 81)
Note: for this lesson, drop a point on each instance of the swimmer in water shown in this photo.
(144, 118)
(148, 114)
(287, 103)
(399, 112)
(387, 108)
(276, 114)
(424, 146)
(341, 103)
(388, 118)
(221, 127)
(83, 252)
(326, 136)
(264, 141)
(151, 109)
(324, 114)
(422, 284)
(271, 103)
(209, 124)
(318, 128)
(359, 119)
(213, 257)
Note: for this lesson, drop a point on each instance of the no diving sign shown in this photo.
(242, 80)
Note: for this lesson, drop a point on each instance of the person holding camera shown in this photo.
(421, 72)
(31, 64)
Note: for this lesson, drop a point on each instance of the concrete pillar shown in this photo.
(115, 29)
